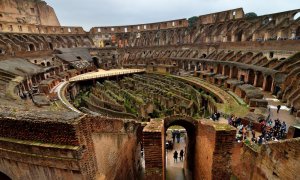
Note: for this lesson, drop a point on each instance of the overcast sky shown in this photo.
(90, 13)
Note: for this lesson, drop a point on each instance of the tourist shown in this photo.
(178, 136)
(175, 156)
(278, 108)
(173, 136)
(292, 110)
(181, 155)
(229, 120)
(253, 133)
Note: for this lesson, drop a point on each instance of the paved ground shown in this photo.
(175, 169)
(284, 112)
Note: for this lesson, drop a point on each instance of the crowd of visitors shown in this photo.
(269, 131)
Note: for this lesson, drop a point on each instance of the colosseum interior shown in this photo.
(107, 103)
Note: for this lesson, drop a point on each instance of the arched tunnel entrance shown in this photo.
(203, 154)
(4, 176)
(185, 143)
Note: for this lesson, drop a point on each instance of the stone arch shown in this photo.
(226, 70)
(31, 47)
(96, 62)
(296, 16)
(190, 126)
(251, 77)
(298, 32)
(260, 77)
(48, 64)
(3, 176)
(268, 83)
(235, 72)
(51, 46)
(219, 69)
(239, 36)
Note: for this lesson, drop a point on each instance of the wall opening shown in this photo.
(51, 46)
(251, 77)
(96, 62)
(298, 32)
(260, 79)
(48, 64)
(4, 176)
(239, 36)
(271, 54)
(269, 81)
(31, 47)
(227, 70)
(234, 72)
(186, 142)
(296, 16)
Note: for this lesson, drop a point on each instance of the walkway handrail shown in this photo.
(61, 96)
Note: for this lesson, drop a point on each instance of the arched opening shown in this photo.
(48, 64)
(51, 46)
(96, 62)
(227, 70)
(269, 81)
(220, 68)
(43, 64)
(251, 77)
(298, 32)
(186, 128)
(260, 79)
(296, 16)
(239, 36)
(31, 47)
(4, 176)
(234, 73)
(203, 55)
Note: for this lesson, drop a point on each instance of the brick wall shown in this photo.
(275, 160)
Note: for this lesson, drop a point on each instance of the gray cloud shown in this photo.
(90, 13)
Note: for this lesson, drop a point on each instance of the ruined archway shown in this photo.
(268, 83)
(251, 77)
(226, 70)
(189, 124)
(31, 47)
(4, 176)
(234, 73)
(259, 79)
(96, 62)
(51, 46)
(298, 32)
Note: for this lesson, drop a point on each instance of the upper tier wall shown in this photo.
(141, 27)
(27, 12)
(8, 27)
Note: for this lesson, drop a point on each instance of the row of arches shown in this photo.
(12, 43)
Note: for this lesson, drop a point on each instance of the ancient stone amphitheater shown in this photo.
(82, 105)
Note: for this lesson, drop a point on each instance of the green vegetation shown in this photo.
(192, 21)
(250, 15)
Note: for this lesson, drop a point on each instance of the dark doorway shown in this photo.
(269, 81)
(239, 36)
(251, 77)
(51, 46)
(4, 176)
(96, 62)
(31, 47)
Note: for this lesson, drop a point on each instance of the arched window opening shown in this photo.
(296, 16)
(4, 176)
(31, 47)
